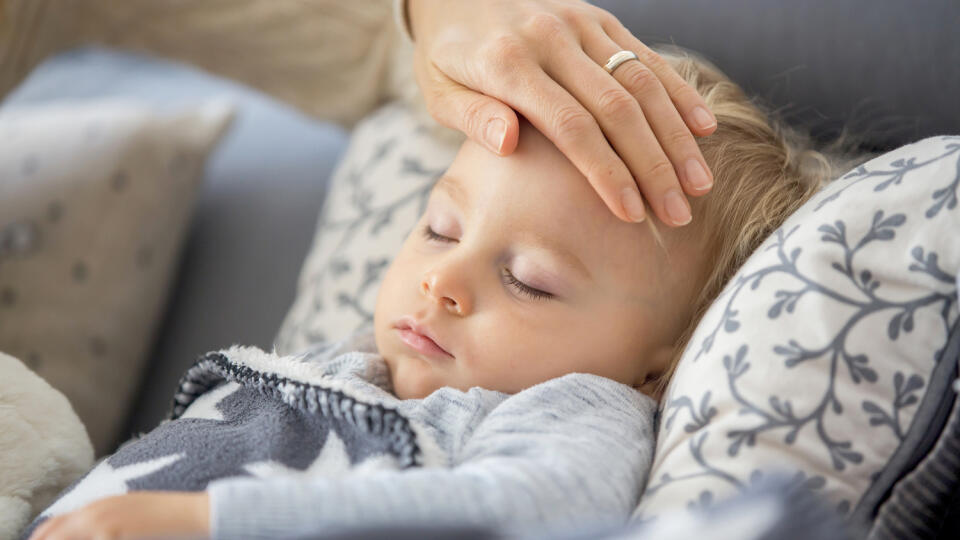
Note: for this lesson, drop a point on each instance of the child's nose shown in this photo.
(450, 295)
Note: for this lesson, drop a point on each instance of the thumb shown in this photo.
(488, 121)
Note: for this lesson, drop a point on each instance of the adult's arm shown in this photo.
(328, 58)
(631, 133)
(336, 60)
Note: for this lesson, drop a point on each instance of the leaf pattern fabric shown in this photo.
(823, 358)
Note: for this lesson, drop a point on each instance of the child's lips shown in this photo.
(420, 338)
(423, 344)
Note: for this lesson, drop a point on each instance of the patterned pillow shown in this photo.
(94, 202)
(849, 304)
(824, 357)
(376, 197)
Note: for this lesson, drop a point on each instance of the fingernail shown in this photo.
(703, 118)
(632, 204)
(676, 206)
(697, 176)
(494, 134)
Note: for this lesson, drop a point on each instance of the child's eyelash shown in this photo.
(526, 289)
(430, 235)
(522, 287)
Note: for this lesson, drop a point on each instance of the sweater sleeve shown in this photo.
(329, 58)
(570, 450)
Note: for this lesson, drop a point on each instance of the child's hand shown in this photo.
(142, 514)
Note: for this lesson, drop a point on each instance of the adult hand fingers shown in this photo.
(519, 80)
(672, 139)
(575, 132)
(484, 119)
(688, 102)
(562, 119)
(626, 126)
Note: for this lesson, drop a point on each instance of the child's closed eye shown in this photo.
(524, 288)
(429, 234)
(520, 286)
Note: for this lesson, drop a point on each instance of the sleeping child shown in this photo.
(522, 337)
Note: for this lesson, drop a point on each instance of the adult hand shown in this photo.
(630, 133)
(142, 514)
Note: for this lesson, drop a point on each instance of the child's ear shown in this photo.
(653, 383)
(651, 386)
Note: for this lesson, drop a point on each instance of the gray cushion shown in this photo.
(885, 69)
(923, 503)
(95, 200)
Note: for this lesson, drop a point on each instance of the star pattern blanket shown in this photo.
(247, 413)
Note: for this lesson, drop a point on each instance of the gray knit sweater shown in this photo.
(569, 451)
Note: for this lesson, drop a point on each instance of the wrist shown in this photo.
(201, 512)
(418, 17)
(403, 18)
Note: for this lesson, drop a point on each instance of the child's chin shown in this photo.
(412, 391)
(411, 378)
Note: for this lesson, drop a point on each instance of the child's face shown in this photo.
(616, 313)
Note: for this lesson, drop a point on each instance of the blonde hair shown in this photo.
(763, 171)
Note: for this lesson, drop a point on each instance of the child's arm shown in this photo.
(571, 449)
(574, 448)
(143, 514)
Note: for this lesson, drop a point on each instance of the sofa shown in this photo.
(879, 74)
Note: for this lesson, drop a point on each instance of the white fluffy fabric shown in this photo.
(43, 445)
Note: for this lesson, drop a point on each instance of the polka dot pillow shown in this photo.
(826, 357)
(95, 199)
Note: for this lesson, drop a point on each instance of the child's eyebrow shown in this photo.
(452, 188)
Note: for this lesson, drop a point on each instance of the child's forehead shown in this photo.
(535, 157)
(536, 181)
(581, 233)
(536, 140)
(537, 193)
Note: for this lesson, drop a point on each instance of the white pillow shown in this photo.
(94, 202)
(822, 357)
(376, 196)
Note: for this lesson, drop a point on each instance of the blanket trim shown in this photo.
(214, 368)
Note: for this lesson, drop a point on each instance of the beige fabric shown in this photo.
(329, 58)
(94, 204)
(43, 446)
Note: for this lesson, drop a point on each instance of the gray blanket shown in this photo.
(233, 415)
(230, 418)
